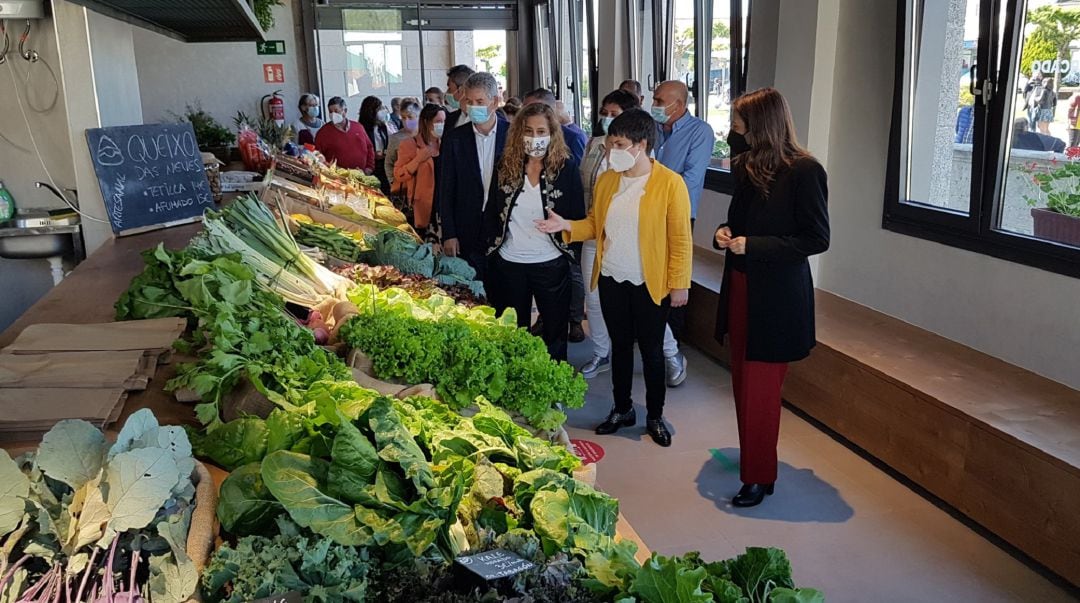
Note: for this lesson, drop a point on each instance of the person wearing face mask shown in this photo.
(373, 116)
(594, 164)
(466, 179)
(344, 141)
(684, 145)
(417, 160)
(778, 218)
(640, 218)
(307, 126)
(410, 119)
(537, 173)
(455, 95)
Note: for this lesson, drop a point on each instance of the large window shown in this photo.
(397, 50)
(703, 43)
(985, 146)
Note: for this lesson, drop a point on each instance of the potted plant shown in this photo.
(1056, 210)
(264, 12)
(211, 136)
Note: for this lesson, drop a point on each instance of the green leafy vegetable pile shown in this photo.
(409, 476)
(392, 247)
(257, 567)
(464, 352)
(78, 510)
(243, 331)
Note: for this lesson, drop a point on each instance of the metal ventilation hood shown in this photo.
(186, 20)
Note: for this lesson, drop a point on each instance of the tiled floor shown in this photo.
(849, 528)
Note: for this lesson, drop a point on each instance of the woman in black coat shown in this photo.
(373, 116)
(777, 219)
(537, 174)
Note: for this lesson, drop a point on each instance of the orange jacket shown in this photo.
(417, 177)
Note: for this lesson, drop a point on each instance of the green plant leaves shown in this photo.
(298, 482)
(14, 488)
(353, 463)
(235, 443)
(396, 444)
(245, 504)
(138, 483)
(72, 452)
(759, 570)
(665, 580)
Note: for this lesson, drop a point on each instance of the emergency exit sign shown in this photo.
(271, 47)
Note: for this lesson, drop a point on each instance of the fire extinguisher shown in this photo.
(274, 108)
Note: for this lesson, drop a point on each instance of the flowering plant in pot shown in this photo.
(1056, 208)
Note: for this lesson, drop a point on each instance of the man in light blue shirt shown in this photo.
(685, 144)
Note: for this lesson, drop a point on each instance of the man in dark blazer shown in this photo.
(469, 162)
(455, 95)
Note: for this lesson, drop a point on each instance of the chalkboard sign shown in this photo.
(151, 176)
(292, 596)
(492, 565)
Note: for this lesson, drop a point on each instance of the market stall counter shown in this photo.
(87, 296)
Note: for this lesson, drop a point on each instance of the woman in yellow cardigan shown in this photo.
(641, 219)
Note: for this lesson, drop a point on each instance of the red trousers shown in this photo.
(756, 386)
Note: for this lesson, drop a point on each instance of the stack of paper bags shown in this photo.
(56, 371)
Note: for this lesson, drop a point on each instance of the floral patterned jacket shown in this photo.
(564, 195)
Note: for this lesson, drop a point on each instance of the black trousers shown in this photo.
(514, 285)
(631, 316)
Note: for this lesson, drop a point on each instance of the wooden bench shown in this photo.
(998, 443)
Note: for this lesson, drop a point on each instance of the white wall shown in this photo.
(1023, 315)
(225, 77)
(23, 282)
(116, 78)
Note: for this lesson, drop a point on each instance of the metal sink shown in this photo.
(36, 243)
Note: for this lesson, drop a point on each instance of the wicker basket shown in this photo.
(204, 527)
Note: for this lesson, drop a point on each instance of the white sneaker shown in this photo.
(676, 369)
(595, 366)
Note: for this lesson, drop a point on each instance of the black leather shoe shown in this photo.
(751, 495)
(615, 420)
(577, 334)
(659, 432)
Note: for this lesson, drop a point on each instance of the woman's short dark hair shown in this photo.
(623, 99)
(635, 125)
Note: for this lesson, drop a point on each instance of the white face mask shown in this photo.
(621, 160)
(537, 146)
(337, 118)
(438, 128)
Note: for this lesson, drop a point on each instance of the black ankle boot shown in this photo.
(751, 495)
(615, 420)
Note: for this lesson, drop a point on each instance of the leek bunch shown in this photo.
(248, 228)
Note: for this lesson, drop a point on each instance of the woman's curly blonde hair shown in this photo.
(512, 167)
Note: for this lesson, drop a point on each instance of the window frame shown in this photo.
(976, 231)
(718, 179)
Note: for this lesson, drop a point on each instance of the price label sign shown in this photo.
(492, 565)
(289, 597)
